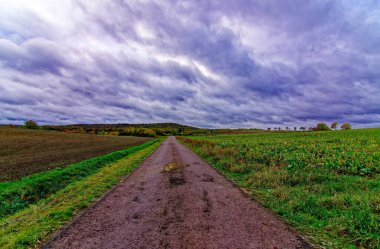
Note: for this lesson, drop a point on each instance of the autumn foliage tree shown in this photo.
(334, 125)
(346, 126)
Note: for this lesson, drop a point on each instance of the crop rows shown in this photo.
(346, 152)
(326, 184)
(24, 152)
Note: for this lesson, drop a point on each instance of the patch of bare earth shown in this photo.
(176, 200)
(24, 152)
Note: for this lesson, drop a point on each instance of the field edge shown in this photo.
(36, 224)
(319, 238)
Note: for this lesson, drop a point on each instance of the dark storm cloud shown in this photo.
(33, 56)
(206, 63)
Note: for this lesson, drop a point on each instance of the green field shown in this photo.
(325, 184)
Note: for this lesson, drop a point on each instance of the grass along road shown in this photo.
(16, 195)
(326, 184)
(34, 224)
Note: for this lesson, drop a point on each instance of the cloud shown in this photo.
(35, 55)
(245, 63)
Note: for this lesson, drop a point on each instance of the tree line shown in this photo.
(318, 127)
(166, 129)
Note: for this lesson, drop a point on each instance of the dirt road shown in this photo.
(176, 200)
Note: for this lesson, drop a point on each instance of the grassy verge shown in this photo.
(334, 210)
(17, 195)
(33, 224)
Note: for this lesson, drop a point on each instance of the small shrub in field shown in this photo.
(30, 124)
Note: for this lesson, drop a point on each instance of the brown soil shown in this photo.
(24, 152)
(176, 200)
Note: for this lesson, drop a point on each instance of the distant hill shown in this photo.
(143, 125)
(144, 129)
(152, 129)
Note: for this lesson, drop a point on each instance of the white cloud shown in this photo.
(144, 31)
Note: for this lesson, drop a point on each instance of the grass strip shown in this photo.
(34, 224)
(333, 210)
(17, 195)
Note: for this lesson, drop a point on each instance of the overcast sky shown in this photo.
(206, 63)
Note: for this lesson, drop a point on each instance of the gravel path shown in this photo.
(176, 200)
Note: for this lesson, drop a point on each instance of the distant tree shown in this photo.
(295, 128)
(334, 125)
(346, 126)
(287, 128)
(279, 128)
(322, 127)
(82, 130)
(303, 128)
(268, 129)
(275, 128)
(30, 124)
(141, 132)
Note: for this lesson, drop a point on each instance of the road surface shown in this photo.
(176, 200)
